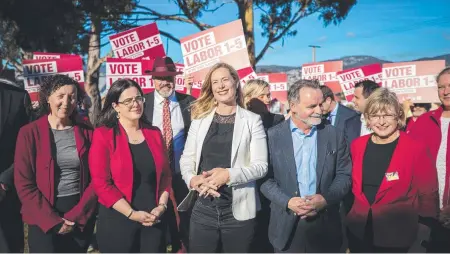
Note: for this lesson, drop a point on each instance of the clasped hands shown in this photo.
(308, 206)
(208, 182)
(148, 219)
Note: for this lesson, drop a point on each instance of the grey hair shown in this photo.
(444, 71)
(294, 90)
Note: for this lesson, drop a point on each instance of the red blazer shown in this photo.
(398, 203)
(427, 129)
(34, 176)
(112, 168)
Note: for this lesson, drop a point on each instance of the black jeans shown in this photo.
(214, 229)
(118, 234)
(11, 226)
(76, 241)
(440, 240)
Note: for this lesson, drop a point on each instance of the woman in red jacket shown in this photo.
(130, 172)
(51, 172)
(394, 182)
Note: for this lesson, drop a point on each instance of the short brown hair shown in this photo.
(383, 100)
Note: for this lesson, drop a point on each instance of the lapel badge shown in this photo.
(392, 176)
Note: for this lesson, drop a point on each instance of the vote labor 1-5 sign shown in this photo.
(225, 43)
(348, 78)
(278, 85)
(143, 41)
(413, 80)
(34, 72)
(325, 73)
(135, 69)
(45, 55)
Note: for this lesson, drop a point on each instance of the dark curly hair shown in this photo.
(53, 83)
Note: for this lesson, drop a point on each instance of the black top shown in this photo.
(144, 177)
(377, 158)
(216, 153)
(269, 120)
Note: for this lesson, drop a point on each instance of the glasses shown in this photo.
(376, 118)
(130, 101)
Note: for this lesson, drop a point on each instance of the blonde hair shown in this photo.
(253, 89)
(384, 100)
(206, 102)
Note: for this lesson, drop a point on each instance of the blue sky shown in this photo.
(395, 30)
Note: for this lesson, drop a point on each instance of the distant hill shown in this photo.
(294, 72)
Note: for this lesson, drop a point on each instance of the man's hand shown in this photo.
(444, 216)
(316, 202)
(188, 83)
(67, 227)
(295, 204)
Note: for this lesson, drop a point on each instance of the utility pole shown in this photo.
(314, 52)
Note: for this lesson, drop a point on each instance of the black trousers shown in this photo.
(118, 234)
(261, 243)
(181, 234)
(76, 241)
(11, 225)
(214, 229)
(440, 240)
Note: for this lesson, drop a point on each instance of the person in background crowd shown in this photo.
(51, 172)
(335, 113)
(131, 174)
(356, 126)
(432, 129)
(257, 99)
(310, 171)
(83, 109)
(169, 111)
(417, 109)
(394, 187)
(15, 112)
(225, 153)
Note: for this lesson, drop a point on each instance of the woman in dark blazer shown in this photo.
(394, 182)
(51, 172)
(130, 172)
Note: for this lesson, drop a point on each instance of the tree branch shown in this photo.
(215, 9)
(170, 36)
(183, 5)
(180, 18)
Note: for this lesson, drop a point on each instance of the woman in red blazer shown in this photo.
(130, 172)
(394, 182)
(51, 172)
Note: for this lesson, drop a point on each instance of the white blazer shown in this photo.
(248, 159)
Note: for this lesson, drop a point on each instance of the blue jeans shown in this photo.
(214, 229)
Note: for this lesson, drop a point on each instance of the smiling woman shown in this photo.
(51, 172)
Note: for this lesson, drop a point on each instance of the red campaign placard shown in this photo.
(34, 72)
(413, 80)
(136, 43)
(225, 43)
(278, 85)
(46, 55)
(325, 72)
(246, 74)
(348, 78)
(134, 69)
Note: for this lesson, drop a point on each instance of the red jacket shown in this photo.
(112, 168)
(398, 203)
(34, 176)
(427, 129)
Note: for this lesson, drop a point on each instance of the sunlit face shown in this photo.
(224, 87)
(130, 105)
(326, 106)
(444, 90)
(308, 109)
(418, 111)
(63, 101)
(359, 100)
(383, 124)
(265, 96)
(165, 86)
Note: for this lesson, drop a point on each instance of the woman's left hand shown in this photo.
(217, 177)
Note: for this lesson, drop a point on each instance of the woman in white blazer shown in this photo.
(225, 153)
